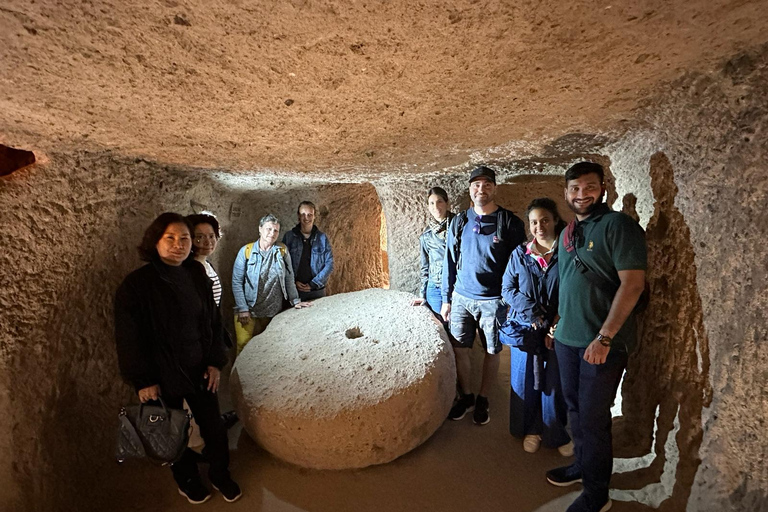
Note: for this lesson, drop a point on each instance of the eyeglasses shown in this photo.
(210, 238)
(579, 264)
(577, 240)
(478, 227)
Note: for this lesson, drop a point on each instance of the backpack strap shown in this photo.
(461, 221)
(501, 224)
(249, 249)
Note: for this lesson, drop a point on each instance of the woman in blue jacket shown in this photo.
(537, 412)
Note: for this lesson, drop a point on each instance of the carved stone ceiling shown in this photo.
(309, 85)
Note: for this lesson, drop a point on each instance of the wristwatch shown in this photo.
(604, 340)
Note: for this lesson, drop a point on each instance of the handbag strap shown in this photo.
(162, 403)
(533, 279)
(130, 431)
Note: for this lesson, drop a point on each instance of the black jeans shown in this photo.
(312, 294)
(205, 408)
(589, 391)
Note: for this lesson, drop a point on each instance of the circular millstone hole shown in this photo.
(353, 333)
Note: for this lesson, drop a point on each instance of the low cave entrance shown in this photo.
(12, 159)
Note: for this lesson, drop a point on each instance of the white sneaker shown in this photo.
(566, 450)
(531, 443)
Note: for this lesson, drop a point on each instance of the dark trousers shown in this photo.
(312, 294)
(589, 391)
(205, 408)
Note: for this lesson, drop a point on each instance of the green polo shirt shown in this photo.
(609, 242)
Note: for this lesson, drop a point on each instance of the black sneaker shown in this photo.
(481, 416)
(229, 418)
(564, 476)
(229, 490)
(462, 406)
(195, 492)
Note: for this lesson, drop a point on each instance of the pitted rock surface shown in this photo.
(358, 379)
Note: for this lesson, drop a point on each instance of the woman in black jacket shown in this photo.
(170, 343)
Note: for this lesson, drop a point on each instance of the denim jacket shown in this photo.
(246, 272)
(321, 259)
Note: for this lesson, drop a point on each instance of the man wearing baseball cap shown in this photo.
(478, 245)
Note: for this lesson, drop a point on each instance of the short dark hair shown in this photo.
(580, 169)
(153, 234)
(204, 218)
(306, 203)
(438, 191)
(548, 204)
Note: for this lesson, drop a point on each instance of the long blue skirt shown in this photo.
(534, 412)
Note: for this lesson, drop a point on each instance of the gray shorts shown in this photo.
(482, 316)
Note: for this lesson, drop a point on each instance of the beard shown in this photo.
(584, 210)
(482, 200)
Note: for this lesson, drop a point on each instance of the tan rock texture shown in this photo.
(74, 223)
(137, 108)
(323, 84)
(358, 379)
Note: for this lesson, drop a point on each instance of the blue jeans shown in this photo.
(533, 412)
(589, 391)
(435, 303)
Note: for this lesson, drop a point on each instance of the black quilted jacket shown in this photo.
(146, 311)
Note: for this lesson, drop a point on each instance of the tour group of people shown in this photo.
(563, 300)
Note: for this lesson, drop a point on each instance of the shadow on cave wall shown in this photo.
(669, 370)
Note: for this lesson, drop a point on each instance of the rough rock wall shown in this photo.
(667, 380)
(715, 127)
(73, 224)
(405, 207)
(350, 214)
(9, 498)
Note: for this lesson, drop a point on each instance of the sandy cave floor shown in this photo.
(461, 467)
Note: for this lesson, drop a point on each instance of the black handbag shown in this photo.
(152, 431)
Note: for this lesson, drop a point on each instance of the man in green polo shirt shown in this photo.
(602, 265)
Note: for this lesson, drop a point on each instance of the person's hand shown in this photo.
(214, 378)
(596, 353)
(302, 287)
(303, 305)
(149, 393)
(418, 302)
(244, 318)
(445, 311)
(549, 342)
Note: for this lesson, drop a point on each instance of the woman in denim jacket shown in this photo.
(262, 281)
(432, 249)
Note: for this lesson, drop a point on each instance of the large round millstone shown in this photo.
(357, 379)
